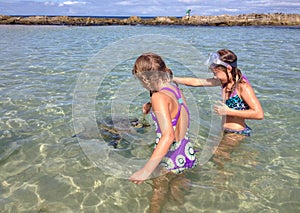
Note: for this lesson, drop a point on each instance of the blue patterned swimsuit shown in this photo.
(181, 154)
(236, 103)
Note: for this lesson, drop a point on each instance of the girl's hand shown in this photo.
(146, 108)
(139, 176)
(221, 108)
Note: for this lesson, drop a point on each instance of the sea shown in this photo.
(68, 99)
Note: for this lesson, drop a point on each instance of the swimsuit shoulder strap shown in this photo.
(180, 101)
(235, 92)
(177, 95)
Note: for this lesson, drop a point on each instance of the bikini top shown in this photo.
(235, 102)
(181, 104)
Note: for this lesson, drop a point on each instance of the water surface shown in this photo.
(43, 168)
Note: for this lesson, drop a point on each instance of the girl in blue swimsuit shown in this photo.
(239, 101)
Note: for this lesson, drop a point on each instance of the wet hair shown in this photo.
(230, 57)
(150, 67)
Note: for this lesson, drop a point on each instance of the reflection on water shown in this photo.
(43, 168)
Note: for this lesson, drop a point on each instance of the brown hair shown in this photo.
(230, 57)
(149, 67)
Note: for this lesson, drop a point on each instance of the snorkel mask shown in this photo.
(214, 60)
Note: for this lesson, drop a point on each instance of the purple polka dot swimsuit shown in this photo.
(181, 154)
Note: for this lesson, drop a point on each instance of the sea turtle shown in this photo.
(112, 130)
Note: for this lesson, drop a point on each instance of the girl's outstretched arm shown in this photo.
(197, 82)
(160, 106)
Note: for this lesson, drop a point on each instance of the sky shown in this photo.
(146, 7)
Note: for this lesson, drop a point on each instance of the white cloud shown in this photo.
(70, 3)
(296, 4)
(230, 10)
(124, 3)
(49, 3)
(189, 1)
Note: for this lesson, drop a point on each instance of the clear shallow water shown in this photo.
(43, 168)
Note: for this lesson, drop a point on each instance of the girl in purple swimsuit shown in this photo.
(239, 100)
(173, 152)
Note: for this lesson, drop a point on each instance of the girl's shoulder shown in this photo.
(156, 96)
(243, 85)
(244, 81)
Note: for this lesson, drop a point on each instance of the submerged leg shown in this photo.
(178, 185)
(223, 153)
(160, 191)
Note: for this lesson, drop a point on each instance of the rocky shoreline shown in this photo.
(276, 19)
